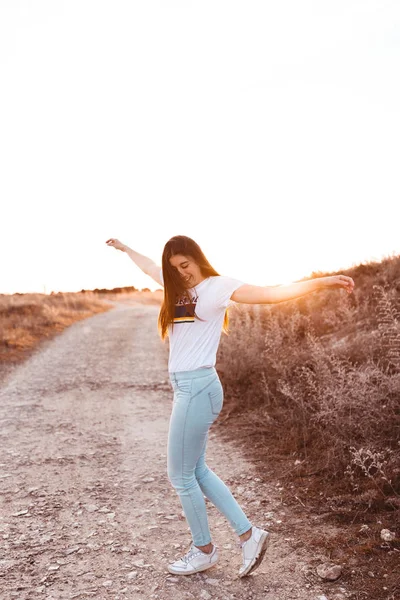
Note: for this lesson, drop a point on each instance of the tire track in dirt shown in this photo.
(86, 508)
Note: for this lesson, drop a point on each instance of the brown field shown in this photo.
(315, 382)
(312, 390)
(26, 320)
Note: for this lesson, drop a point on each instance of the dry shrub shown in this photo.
(319, 378)
(389, 328)
(25, 319)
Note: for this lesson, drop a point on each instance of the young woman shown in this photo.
(193, 313)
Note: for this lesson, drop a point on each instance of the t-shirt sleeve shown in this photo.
(225, 288)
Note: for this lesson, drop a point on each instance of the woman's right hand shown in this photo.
(116, 244)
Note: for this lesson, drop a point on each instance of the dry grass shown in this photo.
(315, 382)
(27, 319)
(320, 377)
(143, 297)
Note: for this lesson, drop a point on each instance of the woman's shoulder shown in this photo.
(225, 278)
(221, 279)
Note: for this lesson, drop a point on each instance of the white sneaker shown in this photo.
(193, 561)
(253, 550)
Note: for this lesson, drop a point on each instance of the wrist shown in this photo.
(323, 283)
(326, 282)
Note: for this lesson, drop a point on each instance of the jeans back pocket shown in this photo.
(216, 398)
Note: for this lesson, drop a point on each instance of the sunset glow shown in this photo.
(268, 132)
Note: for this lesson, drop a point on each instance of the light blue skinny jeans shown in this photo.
(198, 400)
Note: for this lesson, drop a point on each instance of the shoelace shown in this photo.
(189, 555)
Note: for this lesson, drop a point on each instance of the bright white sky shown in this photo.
(267, 131)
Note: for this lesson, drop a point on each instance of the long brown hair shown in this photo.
(173, 283)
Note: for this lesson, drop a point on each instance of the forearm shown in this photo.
(295, 290)
(143, 262)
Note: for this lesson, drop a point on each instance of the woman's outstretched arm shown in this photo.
(254, 294)
(146, 264)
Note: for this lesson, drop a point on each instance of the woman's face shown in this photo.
(187, 269)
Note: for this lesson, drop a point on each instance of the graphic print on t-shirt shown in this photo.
(184, 309)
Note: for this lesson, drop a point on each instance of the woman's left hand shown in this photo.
(339, 281)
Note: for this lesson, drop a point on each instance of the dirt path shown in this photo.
(86, 508)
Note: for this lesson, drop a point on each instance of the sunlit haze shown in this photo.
(267, 131)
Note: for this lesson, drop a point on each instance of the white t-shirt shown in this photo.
(194, 343)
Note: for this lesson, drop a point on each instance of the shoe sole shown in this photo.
(263, 545)
(192, 572)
